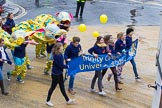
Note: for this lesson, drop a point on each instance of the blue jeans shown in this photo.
(134, 67)
(1, 73)
(71, 81)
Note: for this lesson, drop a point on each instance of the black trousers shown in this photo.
(57, 79)
(79, 5)
(98, 75)
(114, 71)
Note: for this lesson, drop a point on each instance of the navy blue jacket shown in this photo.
(8, 59)
(97, 50)
(128, 42)
(20, 51)
(58, 64)
(119, 46)
(71, 51)
(112, 49)
(9, 25)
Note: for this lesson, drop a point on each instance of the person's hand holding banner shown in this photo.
(118, 53)
(96, 55)
(81, 53)
(68, 59)
(109, 54)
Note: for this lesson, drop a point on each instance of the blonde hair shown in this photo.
(119, 35)
(56, 48)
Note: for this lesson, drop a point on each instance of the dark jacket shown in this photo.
(9, 25)
(119, 46)
(97, 50)
(128, 42)
(58, 64)
(71, 51)
(19, 51)
(111, 49)
(8, 59)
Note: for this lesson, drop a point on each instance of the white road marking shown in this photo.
(149, 4)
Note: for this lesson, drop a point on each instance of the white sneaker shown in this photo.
(71, 101)
(93, 90)
(21, 81)
(102, 93)
(49, 104)
(138, 79)
(8, 79)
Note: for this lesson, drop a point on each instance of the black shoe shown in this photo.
(4, 93)
(81, 17)
(75, 16)
(29, 67)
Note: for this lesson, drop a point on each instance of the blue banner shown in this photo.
(90, 63)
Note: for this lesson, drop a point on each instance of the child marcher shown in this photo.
(3, 58)
(98, 49)
(108, 39)
(57, 74)
(120, 47)
(19, 54)
(73, 50)
(129, 34)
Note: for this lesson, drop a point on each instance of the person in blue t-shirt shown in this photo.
(120, 48)
(129, 34)
(110, 47)
(98, 49)
(57, 74)
(73, 50)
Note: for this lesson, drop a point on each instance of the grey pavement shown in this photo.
(10, 7)
(118, 11)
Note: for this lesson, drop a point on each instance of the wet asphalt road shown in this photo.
(120, 12)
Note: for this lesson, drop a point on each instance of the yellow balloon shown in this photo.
(103, 18)
(95, 34)
(82, 27)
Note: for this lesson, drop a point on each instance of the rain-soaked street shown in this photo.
(143, 14)
(120, 12)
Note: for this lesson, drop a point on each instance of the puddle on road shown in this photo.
(135, 13)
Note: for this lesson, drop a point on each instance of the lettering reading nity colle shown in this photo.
(93, 59)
